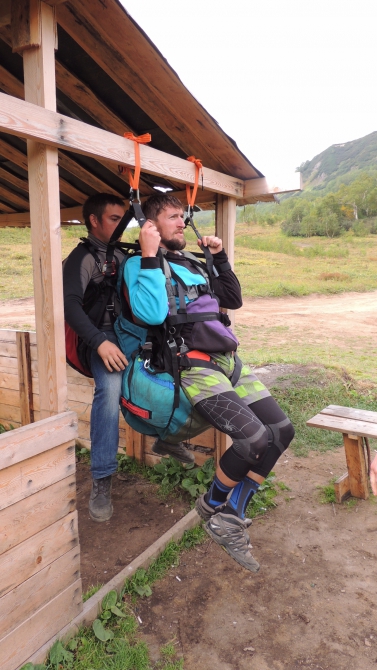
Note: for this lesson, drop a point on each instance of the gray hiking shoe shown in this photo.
(230, 532)
(177, 451)
(100, 507)
(204, 510)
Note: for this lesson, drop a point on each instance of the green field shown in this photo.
(267, 262)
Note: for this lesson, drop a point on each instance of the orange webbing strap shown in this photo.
(134, 179)
(191, 195)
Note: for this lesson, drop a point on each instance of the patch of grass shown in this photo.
(327, 493)
(112, 643)
(282, 486)
(356, 355)
(270, 265)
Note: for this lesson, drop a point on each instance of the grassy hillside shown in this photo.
(340, 163)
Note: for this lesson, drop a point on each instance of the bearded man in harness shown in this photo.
(245, 411)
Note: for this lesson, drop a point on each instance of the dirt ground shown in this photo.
(342, 313)
(140, 518)
(313, 603)
(311, 606)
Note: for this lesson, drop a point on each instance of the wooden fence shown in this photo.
(40, 590)
(19, 401)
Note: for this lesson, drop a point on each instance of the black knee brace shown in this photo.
(280, 434)
(254, 448)
(233, 465)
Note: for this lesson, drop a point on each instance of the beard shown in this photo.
(174, 244)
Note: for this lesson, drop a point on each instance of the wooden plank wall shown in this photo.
(15, 402)
(40, 588)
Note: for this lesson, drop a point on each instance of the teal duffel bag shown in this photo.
(147, 405)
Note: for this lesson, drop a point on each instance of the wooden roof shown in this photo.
(110, 75)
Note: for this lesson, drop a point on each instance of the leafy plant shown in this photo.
(171, 474)
(198, 479)
(58, 655)
(3, 429)
(110, 608)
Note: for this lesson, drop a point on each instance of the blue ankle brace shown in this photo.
(241, 496)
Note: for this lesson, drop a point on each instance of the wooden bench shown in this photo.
(355, 425)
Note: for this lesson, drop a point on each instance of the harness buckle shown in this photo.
(105, 268)
(111, 307)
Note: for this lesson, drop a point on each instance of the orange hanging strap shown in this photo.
(191, 195)
(134, 179)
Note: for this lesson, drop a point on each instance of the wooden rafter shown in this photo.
(13, 198)
(19, 182)
(5, 208)
(5, 12)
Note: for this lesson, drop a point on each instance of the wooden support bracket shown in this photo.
(24, 376)
(342, 488)
(25, 25)
(357, 471)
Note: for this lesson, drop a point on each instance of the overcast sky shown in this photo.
(284, 78)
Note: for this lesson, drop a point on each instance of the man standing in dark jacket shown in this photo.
(83, 273)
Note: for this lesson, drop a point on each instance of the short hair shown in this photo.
(96, 204)
(156, 203)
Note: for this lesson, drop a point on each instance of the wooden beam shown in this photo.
(32, 122)
(25, 24)
(22, 220)
(39, 76)
(225, 217)
(5, 13)
(24, 377)
(129, 57)
(255, 189)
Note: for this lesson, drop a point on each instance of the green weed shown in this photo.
(90, 592)
(263, 500)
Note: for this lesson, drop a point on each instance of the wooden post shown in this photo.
(357, 471)
(39, 77)
(225, 214)
(24, 376)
